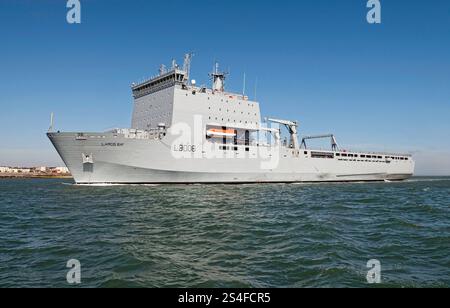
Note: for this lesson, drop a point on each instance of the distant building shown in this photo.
(41, 169)
(35, 171)
(5, 169)
(60, 170)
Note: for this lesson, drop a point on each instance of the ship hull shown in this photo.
(118, 160)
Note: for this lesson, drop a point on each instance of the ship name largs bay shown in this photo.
(112, 144)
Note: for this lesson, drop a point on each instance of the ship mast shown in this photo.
(187, 65)
(218, 79)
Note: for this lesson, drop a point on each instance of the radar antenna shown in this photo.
(218, 78)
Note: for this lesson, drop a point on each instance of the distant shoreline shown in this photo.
(34, 176)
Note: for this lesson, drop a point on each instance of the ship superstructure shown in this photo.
(184, 133)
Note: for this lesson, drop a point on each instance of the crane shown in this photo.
(292, 128)
(334, 144)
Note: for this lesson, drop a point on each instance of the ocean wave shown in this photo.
(225, 236)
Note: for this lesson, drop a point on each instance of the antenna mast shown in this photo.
(174, 64)
(187, 65)
(218, 78)
(162, 69)
(52, 117)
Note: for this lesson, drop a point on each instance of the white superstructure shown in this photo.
(184, 133)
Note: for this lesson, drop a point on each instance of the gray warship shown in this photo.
(182, 133)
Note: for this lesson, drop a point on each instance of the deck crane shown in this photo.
(292, 128)
(334, 144)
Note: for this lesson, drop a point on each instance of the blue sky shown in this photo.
(377, 87)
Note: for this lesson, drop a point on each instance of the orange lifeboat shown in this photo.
(216, 132)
